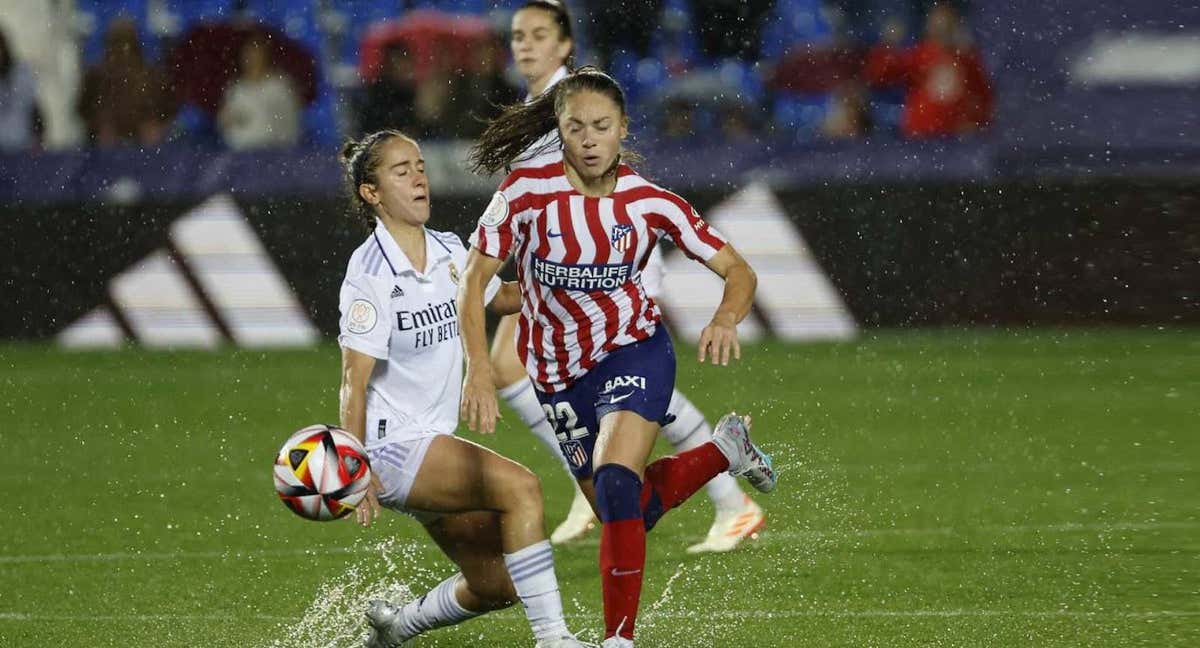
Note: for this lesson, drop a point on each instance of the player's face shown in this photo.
(538, 46)
(401, 191)
(591, 126)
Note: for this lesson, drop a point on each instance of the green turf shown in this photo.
(938, 488)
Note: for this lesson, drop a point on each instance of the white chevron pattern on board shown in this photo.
(794, 297)
(166, 303)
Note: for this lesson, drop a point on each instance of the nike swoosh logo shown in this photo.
(554, 234)
(618, 399)
(627, 572)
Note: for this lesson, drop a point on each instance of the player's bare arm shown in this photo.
(507, 300)
(352, 410)
(719, 339)
(478, 408)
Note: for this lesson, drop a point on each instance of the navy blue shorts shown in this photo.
(637, 378)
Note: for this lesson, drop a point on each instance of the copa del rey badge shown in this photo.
(496, 212)
(362, 316)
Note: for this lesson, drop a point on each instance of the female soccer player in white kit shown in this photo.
(582, 230)
(400, 388)
(542, 48)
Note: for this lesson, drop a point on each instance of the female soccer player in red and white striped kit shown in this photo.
(542, 48)
(582, 230)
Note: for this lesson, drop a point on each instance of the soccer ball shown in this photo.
(322, 472)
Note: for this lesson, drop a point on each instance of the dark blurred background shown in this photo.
(951, 163)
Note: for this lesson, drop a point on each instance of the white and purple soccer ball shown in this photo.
(322, 472)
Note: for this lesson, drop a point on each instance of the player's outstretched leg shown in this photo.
(392, 625)
(485, 512)
(732, 436)
(737, 516)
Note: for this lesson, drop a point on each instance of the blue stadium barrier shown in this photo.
(790, 22)
(885, 109)
(454, 6)
(297, 19)
(801, 115)
(190, 12)
(359, 16)
(676, 36)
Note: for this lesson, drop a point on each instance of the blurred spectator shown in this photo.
(812, 69)
(388, 102)
(737, 121)
(731, 28)
(625, 25)
(678, 118)
(124, 98)
(482, 90)
(947, 92)
(452, 102)
(849, 115)
(261, 108)
(433, 118)
(20, 119)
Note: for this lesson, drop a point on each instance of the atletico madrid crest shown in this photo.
(574, 452)
(622, 237)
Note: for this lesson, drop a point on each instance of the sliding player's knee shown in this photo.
(523, 489)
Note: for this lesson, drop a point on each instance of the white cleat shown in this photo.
(580, 520)
(384, 619)
(566, 641)
(731, 528)
(732, 436)
(617, 641)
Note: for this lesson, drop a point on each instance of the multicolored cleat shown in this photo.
(732, 436)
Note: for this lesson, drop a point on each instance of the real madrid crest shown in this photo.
(453, 273)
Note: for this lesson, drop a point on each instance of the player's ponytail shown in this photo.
(360, 161)
(509, 136)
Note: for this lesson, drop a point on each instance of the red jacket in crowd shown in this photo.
(946, 88)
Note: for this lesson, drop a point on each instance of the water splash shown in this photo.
(334, 618)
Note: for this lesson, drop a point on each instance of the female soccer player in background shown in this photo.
(543, 50)
(582, 229)
(401, 376)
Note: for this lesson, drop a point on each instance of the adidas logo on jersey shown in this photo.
(397, 292)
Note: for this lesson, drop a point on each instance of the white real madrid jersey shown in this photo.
(409, 321)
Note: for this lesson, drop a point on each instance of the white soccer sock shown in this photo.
(437, 609)
(691, 430)
(521, 397)
(532, 573)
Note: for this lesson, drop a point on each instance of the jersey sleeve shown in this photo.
(690, 233)
(496, 231)
(493, 287)
(362, 324)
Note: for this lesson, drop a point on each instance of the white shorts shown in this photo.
(396, 465)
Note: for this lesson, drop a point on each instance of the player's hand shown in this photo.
(368, 508)
(718, 340)
(479, 408)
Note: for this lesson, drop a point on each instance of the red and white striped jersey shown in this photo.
(580, 262)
